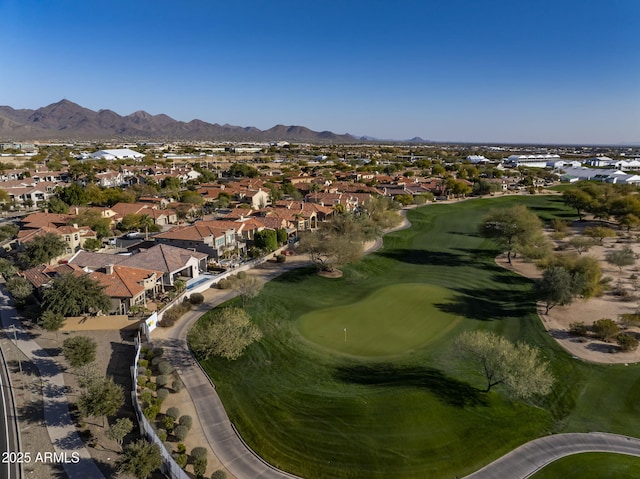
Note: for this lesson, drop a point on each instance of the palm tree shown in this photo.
(146, 222)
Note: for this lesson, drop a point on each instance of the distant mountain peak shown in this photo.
(66, 120)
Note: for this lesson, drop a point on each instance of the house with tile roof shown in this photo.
(172, 261)
(215, 239)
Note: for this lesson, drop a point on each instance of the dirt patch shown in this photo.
(610, 306)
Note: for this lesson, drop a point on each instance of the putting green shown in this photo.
(393, 320)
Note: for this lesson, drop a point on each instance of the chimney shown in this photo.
(109, 269)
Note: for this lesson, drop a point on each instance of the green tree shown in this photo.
(511, 228)
(20, 288)
(42, 249)
(556, 287)
(119, 430)
(621, 257)
(51, 321)
(74, 194)
(79, 350)
(517, 367)
(7, 268)
(94, 220)
(226, 334)
(100, 397)
(56, 205)
(72, 295)
(578, 199)
(140, 458)
(581, 244)
(92, 244)
(599, 233)
(266, 240)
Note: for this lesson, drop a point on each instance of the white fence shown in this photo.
(169, 466)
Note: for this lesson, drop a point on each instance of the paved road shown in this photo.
(534, 455)
(62, 431)
(9, 442)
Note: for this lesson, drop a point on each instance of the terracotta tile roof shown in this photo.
(37, 220)
(165, 258)
(193, 233)
(43, 274)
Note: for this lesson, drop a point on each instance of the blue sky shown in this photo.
(539, 71)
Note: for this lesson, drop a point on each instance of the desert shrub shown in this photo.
(143, 363)
(219, 474)
(605, 329)
(162, 380)
(225, 284)
(146, 396)
(181, 448)
(162, 434)
(166, 322)
(151, 385)
(196, 298)
(142, 372)
(173, 412)
(157, 352)
(578, 329)
(151, 411)
(177, 385)
(281, 258)
(186, 421)
(200, 467)
(168, 423)
(164, 367)
(627, 342)
(162, 394)
(241, 274)
(156, 360)
(142, 381)
(199, 452)
(180, 432)
(181, 459)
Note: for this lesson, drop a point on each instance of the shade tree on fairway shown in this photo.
(515, 229)
(557, 287)
(516, 367)
(226, 334)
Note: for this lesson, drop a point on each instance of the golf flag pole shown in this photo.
(345, 335)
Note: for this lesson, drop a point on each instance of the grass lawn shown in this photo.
(594, 465)
(393, 401)
(392, 320)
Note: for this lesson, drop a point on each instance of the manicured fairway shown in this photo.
(402, 405)
(392, 320)
(592, 466)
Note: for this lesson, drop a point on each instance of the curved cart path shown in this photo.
(244, 463)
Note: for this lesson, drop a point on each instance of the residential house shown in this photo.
(173, 262)
(213, 238)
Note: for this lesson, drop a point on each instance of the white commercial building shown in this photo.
(532, 161)
(119, 154)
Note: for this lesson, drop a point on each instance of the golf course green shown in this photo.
(393, 320)
(394, 400)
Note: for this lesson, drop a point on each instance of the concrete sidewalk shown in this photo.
(77, 461)
(223, 439)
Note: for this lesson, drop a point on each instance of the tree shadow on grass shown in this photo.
(450, 391)
(424, 257)
(489, 304)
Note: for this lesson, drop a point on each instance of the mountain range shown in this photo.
(66, 120)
